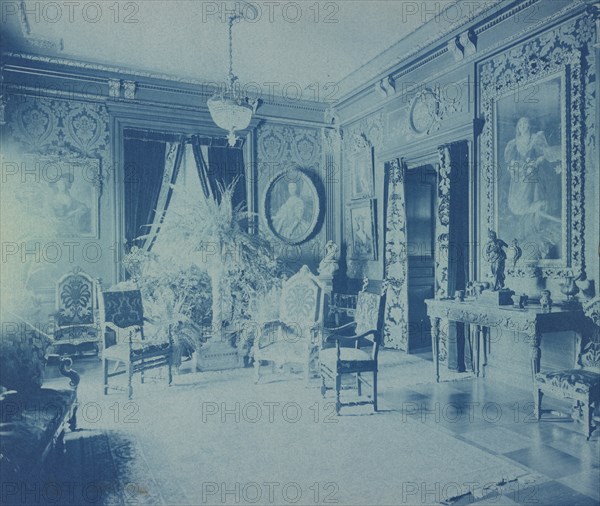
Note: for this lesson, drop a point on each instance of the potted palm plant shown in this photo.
(210, 234)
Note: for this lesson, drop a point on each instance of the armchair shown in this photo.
(75, 329)
(580, 384)
(339, 360)
(123, 312)
(292, 338)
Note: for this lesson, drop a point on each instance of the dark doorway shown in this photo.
(421, 192)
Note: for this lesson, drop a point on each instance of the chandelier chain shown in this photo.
(231, 76)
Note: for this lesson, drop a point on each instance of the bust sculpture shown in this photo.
(329, 265)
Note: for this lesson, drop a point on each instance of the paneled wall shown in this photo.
(60, 130)
(438, 96)
(455, 88)
(281, 148)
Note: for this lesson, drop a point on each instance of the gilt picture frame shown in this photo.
(362, 167)
(363, 229)
(292, 206)
(531, 154)
(68, 192)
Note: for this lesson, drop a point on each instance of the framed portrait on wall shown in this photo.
(532, 157)
(531, 169)
(66, 192)
(292, 206)
(361, 164)
(363, 231)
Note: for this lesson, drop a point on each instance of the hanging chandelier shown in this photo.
(228, 109)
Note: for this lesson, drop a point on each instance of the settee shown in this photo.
(33, 418)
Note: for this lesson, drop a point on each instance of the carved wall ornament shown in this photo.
(468, 41)
(386, 87)
(554, 58)
(129, 88)
(455, 49)
(114, 88)
(428, 109)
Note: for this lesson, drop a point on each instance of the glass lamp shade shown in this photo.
(230, 114)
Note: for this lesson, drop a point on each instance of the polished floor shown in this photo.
(559, 466)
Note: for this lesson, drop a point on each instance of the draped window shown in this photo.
(156, 163)
(144, 163)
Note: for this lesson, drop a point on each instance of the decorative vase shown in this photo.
(569, 288)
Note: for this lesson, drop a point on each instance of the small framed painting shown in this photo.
(363, 229)
(362, 173)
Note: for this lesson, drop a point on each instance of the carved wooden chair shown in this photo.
(75, 326)
(580, 384)
(339, 360)
(293, 337)
(125, 344)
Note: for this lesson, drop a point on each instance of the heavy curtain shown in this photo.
(143, 174)
(396, 259)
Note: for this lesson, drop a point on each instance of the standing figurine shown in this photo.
(514, 253)
(496, 256)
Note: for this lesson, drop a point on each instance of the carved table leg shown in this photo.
(476, 361)
(535, 368)
(435, 340)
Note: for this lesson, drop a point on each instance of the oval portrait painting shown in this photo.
(292, 206)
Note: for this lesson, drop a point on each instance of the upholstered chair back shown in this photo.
(367, 313)
(123, 308)
(301, 304)
(590, 351)
(75, 299)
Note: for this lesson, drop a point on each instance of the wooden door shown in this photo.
(421, 191)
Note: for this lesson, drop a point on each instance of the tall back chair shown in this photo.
(124, 341)
(75, 328)
(292, 338)
(581, 383)
(350, 355)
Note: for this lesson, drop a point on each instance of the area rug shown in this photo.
(217, 438)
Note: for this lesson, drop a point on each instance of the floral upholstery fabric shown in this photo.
(22, 358)
(123, 308)
(28, 423)
(367, 312)
(580, 380)
(76, 302)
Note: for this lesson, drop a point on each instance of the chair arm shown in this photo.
(341, 327)
(356, 337)
(65, 369)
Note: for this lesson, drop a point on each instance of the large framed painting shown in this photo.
(530, 159)
(292, 206)
(363, 229)
(362, 173)
(532, 155)
(66, 192)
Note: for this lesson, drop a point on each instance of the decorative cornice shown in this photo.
(410, 60)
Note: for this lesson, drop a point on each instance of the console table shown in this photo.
(532, 322)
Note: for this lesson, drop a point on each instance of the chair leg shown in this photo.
(142, 376)
(358, 384)
(170, 373)
(375, 391)
(129, 378)
(338, 388)
(323, 386)
(537, 403)
(105, 369)
(73, 420)
(256, 371)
